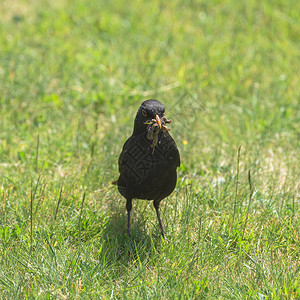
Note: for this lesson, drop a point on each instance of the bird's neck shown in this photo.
(139, 129)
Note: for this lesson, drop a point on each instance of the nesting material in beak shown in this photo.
(154, 127)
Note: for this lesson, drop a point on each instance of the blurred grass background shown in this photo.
(72, 75)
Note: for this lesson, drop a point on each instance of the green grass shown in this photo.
(72, 75)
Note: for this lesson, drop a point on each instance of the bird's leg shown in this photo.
(156, 206)
(128, 207)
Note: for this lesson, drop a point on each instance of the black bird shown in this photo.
(149, 159)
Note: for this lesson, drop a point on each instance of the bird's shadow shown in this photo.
(139, 245)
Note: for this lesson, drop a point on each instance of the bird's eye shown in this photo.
(144, 113)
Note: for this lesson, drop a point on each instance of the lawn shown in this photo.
(72, 76)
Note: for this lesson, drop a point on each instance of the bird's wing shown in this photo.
(173, 151)
(122, 156)
(177, 155)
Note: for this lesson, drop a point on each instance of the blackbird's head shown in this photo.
(148, 111)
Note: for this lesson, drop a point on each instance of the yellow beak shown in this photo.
(158, 121)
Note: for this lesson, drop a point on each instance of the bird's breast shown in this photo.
(142, 162)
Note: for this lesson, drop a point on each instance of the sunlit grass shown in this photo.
(73, 74)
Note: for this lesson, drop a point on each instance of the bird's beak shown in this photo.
(158, 121)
